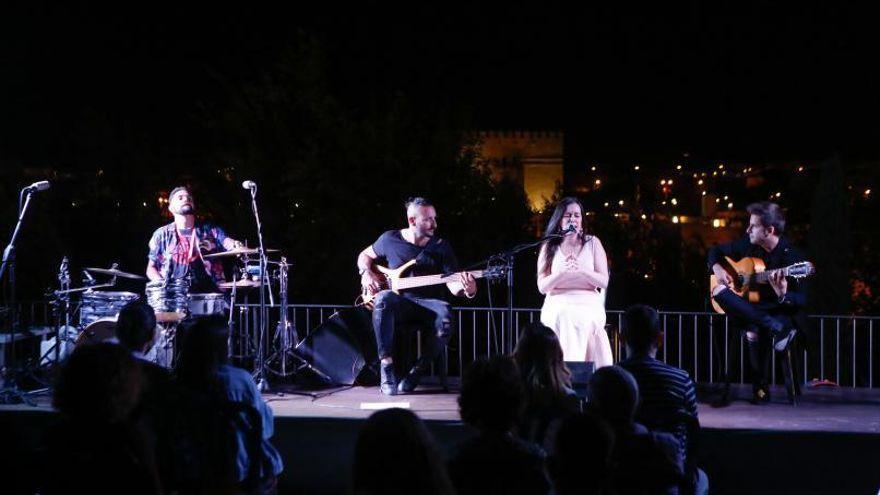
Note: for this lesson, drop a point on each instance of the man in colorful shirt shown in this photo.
(177, 250)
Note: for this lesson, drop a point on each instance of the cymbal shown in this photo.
(239, 284)
(169, 316)
(113, 272)
(237, 252)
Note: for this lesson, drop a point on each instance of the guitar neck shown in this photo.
(427, 280)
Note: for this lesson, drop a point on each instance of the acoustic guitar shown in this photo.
(396, 282)
(746, 273)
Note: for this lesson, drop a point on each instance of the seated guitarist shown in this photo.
(425, 306)
(780, 309)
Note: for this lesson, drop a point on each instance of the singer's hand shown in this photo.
(469, 283)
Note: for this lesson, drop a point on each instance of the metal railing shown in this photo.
(836, 348)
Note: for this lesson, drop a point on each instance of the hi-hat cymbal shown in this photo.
(237, 252)
(238, 284)
(113, 272)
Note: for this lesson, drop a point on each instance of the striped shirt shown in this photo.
(667, 396)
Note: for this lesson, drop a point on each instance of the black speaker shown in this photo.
(341, 347)
(581, 372)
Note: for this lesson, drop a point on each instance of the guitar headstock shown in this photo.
(801, 269)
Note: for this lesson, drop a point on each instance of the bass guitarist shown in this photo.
(425, 307)
(779, 312)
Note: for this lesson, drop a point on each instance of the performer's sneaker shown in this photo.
(388, 384)
(760, 395)
(412, 379)
(784, 340)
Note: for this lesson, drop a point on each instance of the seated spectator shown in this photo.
(223, 425)
(581, 461)
(396, 442)
(495, 461)
(97, 447)
(136, 330)
(645, 462)
(668, 396)
(547, 382)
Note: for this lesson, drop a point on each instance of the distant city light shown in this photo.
(716, 223)
(700, 182)
(635, 167)
(674, 201)
(801, 168)
(867, 192)
(644, 217)
(663, 182)
(675, 219)
(669, 182)
(620, 203)
(606, 205)
(598, 182)
(720, 166)
(729, 206)
(593, 168)
(678, 167)
(779, 194)
(703, 193)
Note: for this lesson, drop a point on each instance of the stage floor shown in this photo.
(839, 410)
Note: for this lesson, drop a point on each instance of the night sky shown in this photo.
(723, 79)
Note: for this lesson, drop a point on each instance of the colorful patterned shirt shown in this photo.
(173, 254)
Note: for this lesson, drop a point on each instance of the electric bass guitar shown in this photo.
(395, 281)
(746, 273)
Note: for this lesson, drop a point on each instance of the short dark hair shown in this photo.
(135, 325)
(177, 190)
(770, 214)
(492, 395)
(416, 201)
(641, 327)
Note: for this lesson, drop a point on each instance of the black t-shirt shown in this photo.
(436, 257)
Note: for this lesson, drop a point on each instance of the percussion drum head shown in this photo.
(101, 330)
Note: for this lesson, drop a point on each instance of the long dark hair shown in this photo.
(539, 358)
(204, 348)
(550, 246)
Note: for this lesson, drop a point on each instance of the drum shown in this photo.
(100, 330)
(168, 298)
(102, 304)
(207, 304)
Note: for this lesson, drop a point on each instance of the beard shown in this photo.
(185, 210)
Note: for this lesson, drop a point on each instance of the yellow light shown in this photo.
(678, 167)
(716, 223)
(867, 192)
(606, 205)
(703, 193)
(801, 168)
(695, 176)
(593, 168)
(720, 166)
(674, 201)
(717, 200)
(675, 219)
(663, 182)
(778, 194)
(636, 167)
(700, 182)
(620, 202)
(663, 203)
(669, 182)
(729, 205)
(598, 182)
(714, 174)
(725, 198)
(644, 217)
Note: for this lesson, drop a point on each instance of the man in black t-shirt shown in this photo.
(425, 306)
(780, 310)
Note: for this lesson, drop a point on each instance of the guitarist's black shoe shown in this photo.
(388, 384)
(412, 379)
(784, 339)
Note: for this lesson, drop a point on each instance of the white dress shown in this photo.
(576, 311)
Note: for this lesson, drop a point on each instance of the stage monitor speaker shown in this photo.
(581, 372)
(341, 347)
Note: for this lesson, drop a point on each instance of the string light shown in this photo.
(598, 182)
(675, 219)
(674, 201)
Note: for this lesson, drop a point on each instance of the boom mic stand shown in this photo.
(259, 373)
(13, 394)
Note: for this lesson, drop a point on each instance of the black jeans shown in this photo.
(392, 309)
(748, 317)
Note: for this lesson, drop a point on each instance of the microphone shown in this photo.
(38, 186)
(249, 184)
(571, 229)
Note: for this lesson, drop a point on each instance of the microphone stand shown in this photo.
(506, 259)
(10, 394)
(260, 365)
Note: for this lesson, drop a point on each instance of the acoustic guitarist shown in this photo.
(778, 313)
(425, 307)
